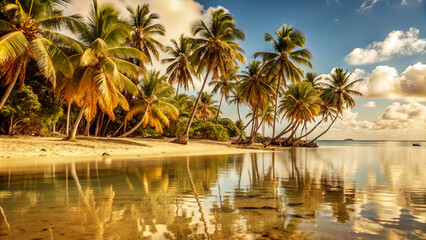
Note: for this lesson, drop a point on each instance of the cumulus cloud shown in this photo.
(370, 104)
(398, 121)
(385, 82)
(397, 43)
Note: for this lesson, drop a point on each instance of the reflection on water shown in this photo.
(325, 193)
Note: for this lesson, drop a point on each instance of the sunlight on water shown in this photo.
(355, 192)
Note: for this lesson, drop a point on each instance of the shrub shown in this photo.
(210, 131)
(230, 126)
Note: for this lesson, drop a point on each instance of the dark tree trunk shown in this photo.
(218, 110)
(313, 140)
(184, 138)
(67, 128)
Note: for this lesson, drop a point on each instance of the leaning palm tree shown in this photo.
(154, 102)
(225, 85)
(337, 92)
(180, 69)
(217, 50)
(281, 64)
(28, 28)
(206, 108)
(256, 92)
(145, 29)
(302, 103)
(103, 69)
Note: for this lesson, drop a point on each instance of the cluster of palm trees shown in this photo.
(105, 66)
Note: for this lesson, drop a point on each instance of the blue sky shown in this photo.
(380, 41)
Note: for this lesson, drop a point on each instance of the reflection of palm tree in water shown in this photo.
(97, 218)
(200, 207)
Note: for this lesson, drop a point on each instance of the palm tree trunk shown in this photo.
(9, 131)
(276, 104)
(118, 129)
(12, 84)
(101, 124)
(67, 128)
(98, 119)
(286, 130)
(313, 140)
(105, 128)
(253, 137)
(71, 136)
(238, 111)
(87, 130)
(218, 110)
(184, 138)
(306, 134)
(177, 89)
(137, 125)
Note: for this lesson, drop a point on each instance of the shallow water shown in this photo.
(357, 192)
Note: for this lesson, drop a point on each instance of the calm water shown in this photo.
(333, 192)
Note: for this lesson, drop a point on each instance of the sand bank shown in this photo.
(27, 147)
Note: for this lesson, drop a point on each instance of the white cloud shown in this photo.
(397, 43)
(367, 5)
(384, 82)
(336, 20)
(404, 2)
(370, 104)
(398, 121)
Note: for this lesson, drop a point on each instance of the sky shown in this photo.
(382, 42)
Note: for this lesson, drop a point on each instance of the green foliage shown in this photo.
(230, 126)
(240, 125)
(209, 130)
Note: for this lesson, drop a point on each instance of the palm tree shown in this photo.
(282, 62)
(206, 108)
(255, 91)
(155, 102)
(225, 85)
(103, 69)
(28, 35)
(302, 103)
(337, 93)
(217, 50)
(183, 104)
(145, 30)
(236, 98)
(180, 69)
(313, 78)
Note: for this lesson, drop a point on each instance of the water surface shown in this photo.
(332, 192)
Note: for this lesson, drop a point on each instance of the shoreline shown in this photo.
(29, 148)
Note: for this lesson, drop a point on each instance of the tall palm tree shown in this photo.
(145, 29)
(337, 92)
(255, 91)
(28, 27)
(225, 85)
(155, 103)
(217, 50)
(236, 98)
(180, 69)
(103, 69)
(302, 103)
(206, 108)
(281, 64)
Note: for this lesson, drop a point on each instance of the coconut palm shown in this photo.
(183, 104)
(236, 98)
(225, 85)
(217, 50)
(313, 78)
(103, 69)
(281, 64)
(180, 69)
(145, 29)
(28, 28)
(206, 108)
(154, 102)
(302, 103)
(255, 91)
(337, 93)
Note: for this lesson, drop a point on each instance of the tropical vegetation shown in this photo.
(97, 83)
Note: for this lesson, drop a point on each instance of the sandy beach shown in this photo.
(25, 147)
